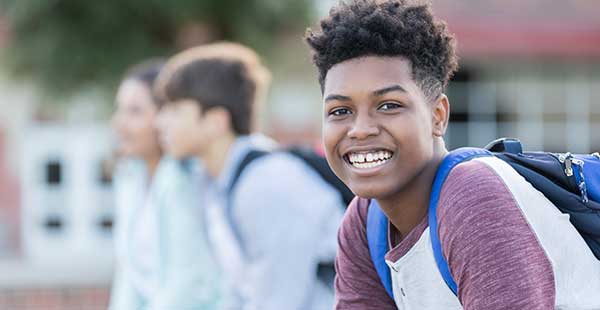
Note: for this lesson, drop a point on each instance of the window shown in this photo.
(53, 173)
(106, 169)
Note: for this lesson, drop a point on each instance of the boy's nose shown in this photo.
(363, 127)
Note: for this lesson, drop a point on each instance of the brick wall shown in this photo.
(89, 298)
(9, 205)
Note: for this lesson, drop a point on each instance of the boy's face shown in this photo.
(184, 129)
(378, 125)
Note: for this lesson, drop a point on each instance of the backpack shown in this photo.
(316, 162)
(570, 182)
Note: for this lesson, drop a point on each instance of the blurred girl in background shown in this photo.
(162, 258)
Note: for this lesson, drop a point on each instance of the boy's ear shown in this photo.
(441, 115)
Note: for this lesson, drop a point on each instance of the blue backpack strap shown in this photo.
(377, 238)
(450, 161)
(590, 174)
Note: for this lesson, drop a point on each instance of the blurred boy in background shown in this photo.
(272, 228)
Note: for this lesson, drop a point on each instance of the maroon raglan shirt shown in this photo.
(493, 254)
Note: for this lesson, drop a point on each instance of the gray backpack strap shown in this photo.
(248, 159)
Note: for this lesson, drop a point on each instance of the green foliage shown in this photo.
(67, 45)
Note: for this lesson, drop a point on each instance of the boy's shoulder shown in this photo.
(356, 215)
(466, 185)
(277, 169)
(469, 185)
(352, 234)
(282, 174)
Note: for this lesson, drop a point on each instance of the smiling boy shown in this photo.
(383, 69)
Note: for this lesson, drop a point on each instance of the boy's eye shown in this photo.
(339, 112)
(387, 106)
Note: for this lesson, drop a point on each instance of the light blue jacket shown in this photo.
(187, 273)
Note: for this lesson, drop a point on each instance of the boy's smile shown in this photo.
(378, 126)
(367, 161)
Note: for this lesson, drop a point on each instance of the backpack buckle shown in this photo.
(505, 145)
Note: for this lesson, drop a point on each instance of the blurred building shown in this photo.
(61, 211)
(529, 69)
(55, 203)
(9, 203)
(67, 202)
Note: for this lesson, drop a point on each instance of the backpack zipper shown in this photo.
(567, 160)
(574, 167)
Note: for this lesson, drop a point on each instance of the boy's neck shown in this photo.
(217, 153)
(407, 209)
(152, 163)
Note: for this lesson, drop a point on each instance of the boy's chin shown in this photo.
(373, 190)
(367, 192)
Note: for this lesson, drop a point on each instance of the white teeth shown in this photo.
(369, 165)
(369, 159)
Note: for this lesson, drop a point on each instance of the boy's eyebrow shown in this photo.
(388, 89)
(377, 93)
(337, 97)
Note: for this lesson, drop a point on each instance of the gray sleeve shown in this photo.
(281, 212)
(493, 254)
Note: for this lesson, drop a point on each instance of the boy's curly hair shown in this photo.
(387, 28)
